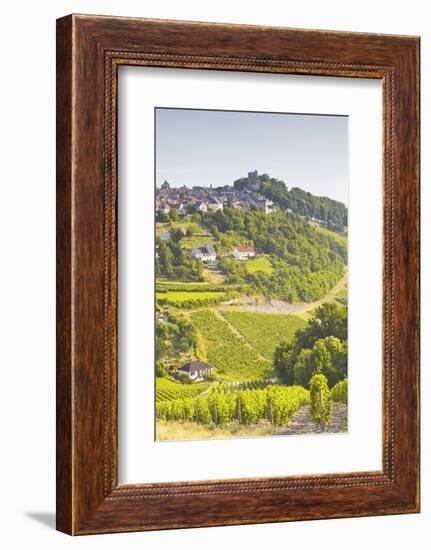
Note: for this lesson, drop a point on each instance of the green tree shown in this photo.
(281, 355)
(162, 217)
(165, 259)
(161, 370)
(173, 214)
(199, 269)
(175, 335)
(319, 347)
(176, 234)
(330, 319)
(338, 353)
(303, 368)
(321, 358)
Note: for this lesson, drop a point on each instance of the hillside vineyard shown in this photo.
(251, 310)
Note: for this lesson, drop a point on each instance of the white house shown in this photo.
(205, 253)
(215, 204)
(165, 208)
(265, 205)
(165, 235)
(197, 370)
(182, 210)
(243, 252)
(201, 207)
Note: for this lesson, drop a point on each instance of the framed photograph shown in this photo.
(237, 274)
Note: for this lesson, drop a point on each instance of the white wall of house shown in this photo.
(197, 375)
(204, 257)
(215, 206)
(242, 255)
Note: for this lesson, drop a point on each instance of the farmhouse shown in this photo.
(197, 370)
(243, 252)
(205, 253)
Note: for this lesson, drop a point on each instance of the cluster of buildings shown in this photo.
(203, 199)
(208, 254)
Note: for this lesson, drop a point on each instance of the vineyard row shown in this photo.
(275, 404)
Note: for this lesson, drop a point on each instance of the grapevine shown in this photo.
(226, 351)
(319, 386)
(340, 392)
(167, 390)
(275, 404)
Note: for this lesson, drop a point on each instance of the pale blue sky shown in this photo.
(197, 147)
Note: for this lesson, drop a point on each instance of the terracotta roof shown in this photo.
(244, 249)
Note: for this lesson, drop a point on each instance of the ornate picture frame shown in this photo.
(89, 51)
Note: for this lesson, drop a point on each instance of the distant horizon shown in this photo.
(205, 148)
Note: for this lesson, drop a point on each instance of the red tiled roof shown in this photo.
(244, 249)
(174, 366)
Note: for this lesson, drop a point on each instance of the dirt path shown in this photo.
(302, 422)
(233, 329)
(237, 332)
(278, 306)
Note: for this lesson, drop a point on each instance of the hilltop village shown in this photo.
(205, 224)
(188, 200)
